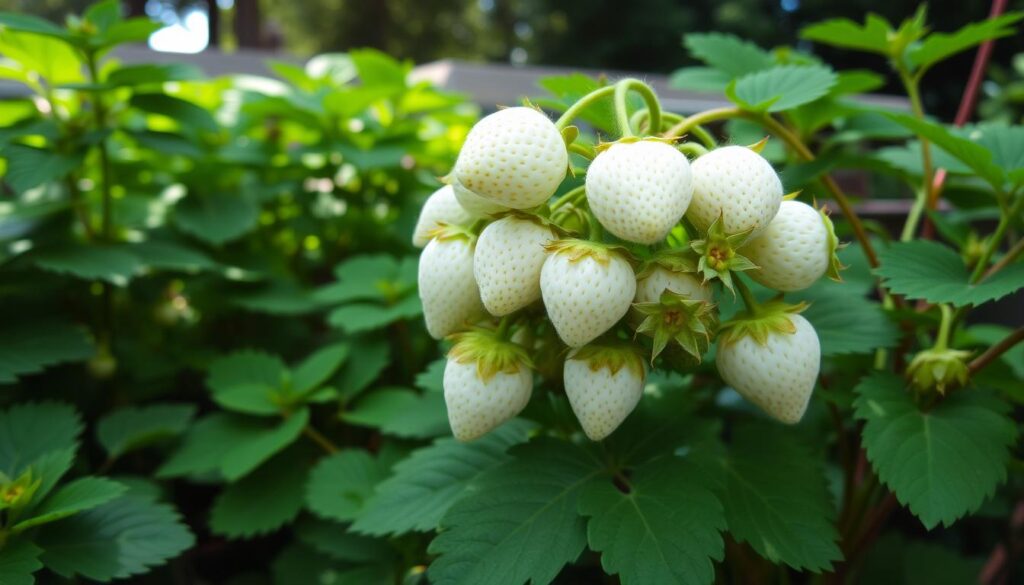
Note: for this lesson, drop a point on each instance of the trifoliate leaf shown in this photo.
(781, 88)
(778, 499)
(728, 53)
(29, 431)
(125, 537)
(928, 270)
(665, 529)
(340, 484)
(846, 321)
(334, 540)
(136, 427)
(113, 264)
(262, 501)
(520, 521)
(27, 348)
(81, 494)
(18, 560)
(426, 484)
(402, 413)
(317, 368)
(942, 463)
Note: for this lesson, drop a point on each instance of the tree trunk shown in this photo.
(213, 14)
(248, 24)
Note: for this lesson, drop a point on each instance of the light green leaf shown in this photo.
(426, 484)
(152, 74)
(135, 30)
(135, 427)
(339, 485)
(119, 539)
(18, 560)
(114, 264)
(845, 320)
(781, 88)
(318, 368)
(216, 219)
(82, 494)
(334, 540)
(432, 379)
(873, 36)
(699, 79)
(940, 46)
(261, 502)
(29, 167)
(338, 68)
(728, 53)
(29, 431)
(855, 81)
(377, 68)
(51, 58)
(665, 530)
(33, 24)
(928, 270)
(972, 154)
(568, 89)
(1004, 142)
(29, 347)
(400, 412)
(520, 522)
(942, 463)
(778, 499)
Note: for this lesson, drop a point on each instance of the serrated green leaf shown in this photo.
(928, 270)
(972, 154)
(216, 219)
(426, 484)
(82, 494)
(135, 427)
(318, 368)
(873, 36)
(943, 463)
(369, 357)
(18, 560)
(49, 468)
(245, 457)
(114, 264)
(334, 540)
(402, 413)
(666, 529)
(1004, 142)
(940, 46)
(262, 501)
(846, 321)
(778, 499)
(246, 381)
(339, 485)
(119, 539)
(781, 88)
(728, 53)
(29, 431)
(520, 522)
(29, 347)
(29, 167)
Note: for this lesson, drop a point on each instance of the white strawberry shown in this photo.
(474, 204)
(440, 207)
(772, 362)
(587, 287)
(448, 291)
(515, 158)
(659, 279)
(507, 263)
(639, 190)
(796, 250)
(487, 381)
(604, 384)
(739, 185)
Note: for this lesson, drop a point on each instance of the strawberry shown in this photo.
(639, 190)
(515, 158)
(737, 184)
(658, 279)
(772, 359)
(474, 204)
(587, 287)
(604, 384)
(487, 380)
(796, 250)
(448, 291)
(440, 207)
(507, 263)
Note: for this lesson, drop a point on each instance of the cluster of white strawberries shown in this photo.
(608, 277)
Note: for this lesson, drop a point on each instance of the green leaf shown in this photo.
(29, 431)
(570, 88)
(318, 368)
(665, 529)
(426, 484)
(29, 347)
(33, 24)
(113, 264)
(369, 357)
(928, 270)
(153, 73)
(778, 499)
(781, 88)
(303, 564)
(135, 30)
(18, 560)
(520, 521)
(280, 297)
(172, 256)
(49, 468)
(182, 111)
(873, 36)
(334, 540)
(338, 68)
(1004, 142)
(377, 68)
(699, 79)
(82, 494)
(339, 485)
(216, 219)
(119, 539)
(846, 321)
(856, 81)
(970, 153)
(135, 427)
(369, 277)
(728, 53)
(29, 167)
(362, 317)
(940, 46)
(245, 368)
(942, 463)
(400, 412)
(261, 502)
(245, 457)
(432, 379)
(50, 58)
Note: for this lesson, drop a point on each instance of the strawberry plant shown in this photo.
(249, 337)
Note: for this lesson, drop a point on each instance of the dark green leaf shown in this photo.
(184, 112)
(29, 431)
(728, 53)
(114, 264)
(432, 379)
(82, 494)
(318, 368)
(970, 153)
(153, 73)
(33, 24)
(400, 412)
(940, 46)
(135, 427)
(216, 219)
(261, 502)
(28, 348)
(18, 560)
(29, 167)
(369, 357)
(846, 321)
(339, 485)
(334, 540)
(873, 36)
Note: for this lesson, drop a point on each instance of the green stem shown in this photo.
(583, 103)
(582, 150)
(925, 197)
(942, 340)
(570, 197)
(753, 307)
(107, 225)
(997, 237)
(910, 227)
(622, 89)
(691, 149)
(595, 233)
(503, 327)
(689, 123)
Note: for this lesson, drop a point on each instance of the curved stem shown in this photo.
(1006, 260)
(691, 148)
(927, 196)
(1004, 223)
(581, 104)
(942, 339)
(569, 197)
(318, 438)
(582, 150)
(503, 327)
(990, 354)
(688, 124)
(622, 89)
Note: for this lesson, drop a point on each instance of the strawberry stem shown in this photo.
(753, 307)
(503, 327)
(942, 340)
(583, 103)
(622, 89)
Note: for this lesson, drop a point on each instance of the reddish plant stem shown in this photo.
(996, 350)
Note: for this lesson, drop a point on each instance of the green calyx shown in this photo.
(16, 494)
(613, 356)
(834, 265)
(691, 323)
(769, 318)
(672, 259)
(448, 232)
(490, 351)
(603, 146)
(577, 250)
(718, 254)
(939, 369)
